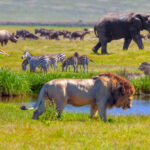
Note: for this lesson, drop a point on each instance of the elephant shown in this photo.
(116, 26)
(5, 36)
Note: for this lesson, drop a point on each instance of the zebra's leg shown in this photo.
(81, 68)
(74, 67)
(87, 67)
(84, 68)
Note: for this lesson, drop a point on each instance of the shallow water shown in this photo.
(140, 106)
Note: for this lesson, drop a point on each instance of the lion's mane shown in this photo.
(119, 87)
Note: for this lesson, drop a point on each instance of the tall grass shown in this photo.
(20, 83)
(12, 83)
(16, 83)
(142, 85)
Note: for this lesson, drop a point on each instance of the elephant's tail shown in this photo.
(95, 31)
(40, 97)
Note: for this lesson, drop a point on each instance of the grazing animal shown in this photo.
(39, 30)
(22, 33)
(36, 61)
(145, 67)
(71, 61)
(53, 60)
(148, 36)
(79, 34)
(143, 36)
(83, 61)
(54, 35)
(101, 92)
(5, 36)
(31, 36)
(24, 64)
(116, 26)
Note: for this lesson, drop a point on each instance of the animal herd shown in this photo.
(105, 90)
(41, 33)
(52, 34)
(45, 61)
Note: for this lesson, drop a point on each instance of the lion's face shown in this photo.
(124, 101)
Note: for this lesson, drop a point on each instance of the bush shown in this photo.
(50, 113)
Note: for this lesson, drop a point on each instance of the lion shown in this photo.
(104, 91)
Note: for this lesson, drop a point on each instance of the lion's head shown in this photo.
(122, 91)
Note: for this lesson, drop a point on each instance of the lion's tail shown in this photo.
(40, 97)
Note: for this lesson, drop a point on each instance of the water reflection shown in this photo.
(140, 106)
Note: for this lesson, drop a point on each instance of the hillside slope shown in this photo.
(66, 10)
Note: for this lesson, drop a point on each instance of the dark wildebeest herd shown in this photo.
(52, 34)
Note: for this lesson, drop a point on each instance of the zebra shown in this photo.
(35, 61)
(53, 60)
(73, 60)
(83, 61)
(24, 64)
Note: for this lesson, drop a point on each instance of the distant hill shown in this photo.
(66, 10)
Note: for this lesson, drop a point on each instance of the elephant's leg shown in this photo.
(104, 48)
(39, 111)
(96, 47)
(138, 41)
(127, 42)
(93, 110)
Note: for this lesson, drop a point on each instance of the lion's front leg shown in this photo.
(101, 103)
(93, 110)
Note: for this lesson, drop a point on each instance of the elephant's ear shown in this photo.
(137, 21)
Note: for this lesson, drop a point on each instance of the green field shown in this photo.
(75, 131)
(116, 60)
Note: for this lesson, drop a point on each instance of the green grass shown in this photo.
(73, 131)
(20, 83)
(16, 81)
(116, 60)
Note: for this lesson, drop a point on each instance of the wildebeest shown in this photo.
(145, 67)
(79, 34)
(5, 36)
(22, 33)
(31, 36)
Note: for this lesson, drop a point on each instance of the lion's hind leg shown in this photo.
(93, 110)
(39, 111)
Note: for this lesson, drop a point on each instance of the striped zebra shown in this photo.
(53, 59)
(83, 61)
(36, 61)
(24, 64)
(71, 61)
